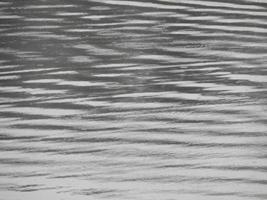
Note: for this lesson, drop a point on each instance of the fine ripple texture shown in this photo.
(133, 99)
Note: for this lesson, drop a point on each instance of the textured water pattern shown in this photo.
(140, 99)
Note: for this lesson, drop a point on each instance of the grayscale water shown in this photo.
(133, 99)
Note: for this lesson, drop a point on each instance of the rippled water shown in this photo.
(141, 99)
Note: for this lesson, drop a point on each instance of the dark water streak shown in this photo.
(139, 99)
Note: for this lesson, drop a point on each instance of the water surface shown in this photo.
(141, 99)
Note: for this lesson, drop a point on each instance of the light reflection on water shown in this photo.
(138, 99)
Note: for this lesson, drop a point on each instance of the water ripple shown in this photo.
(141, 99)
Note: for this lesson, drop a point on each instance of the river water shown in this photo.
(133, 100)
